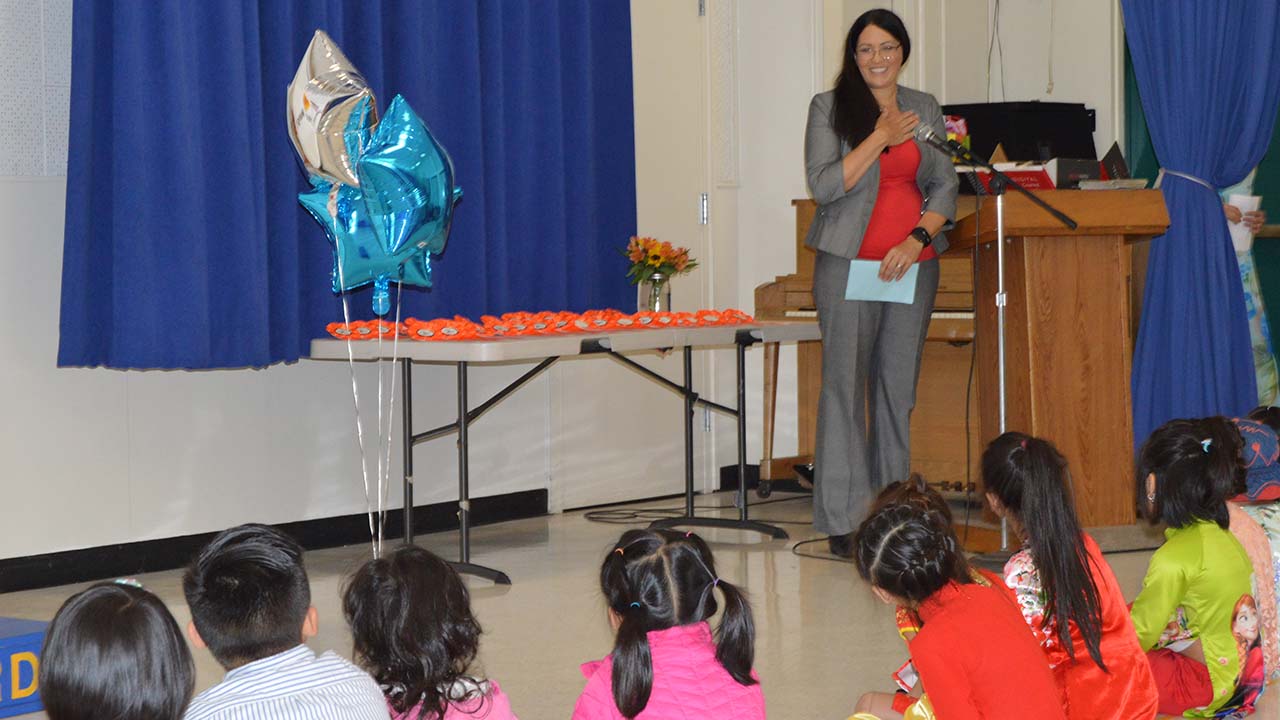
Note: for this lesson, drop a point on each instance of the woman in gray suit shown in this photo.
(885, 197)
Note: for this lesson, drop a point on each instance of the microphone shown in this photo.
(925, 134)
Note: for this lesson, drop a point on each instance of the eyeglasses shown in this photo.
(869, 52)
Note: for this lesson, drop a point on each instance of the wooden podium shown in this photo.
(1073, 301)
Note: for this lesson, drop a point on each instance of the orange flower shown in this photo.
(635, 250)
(342, 331)
(459, 328)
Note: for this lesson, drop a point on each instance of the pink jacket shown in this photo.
(493, 706)
(688, 683)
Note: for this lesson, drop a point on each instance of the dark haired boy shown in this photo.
(251, 607)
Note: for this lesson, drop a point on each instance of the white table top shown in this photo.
(536, 347)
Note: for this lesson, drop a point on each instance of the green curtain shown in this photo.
(1139, 154)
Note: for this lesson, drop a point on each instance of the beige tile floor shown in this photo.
(822, 637)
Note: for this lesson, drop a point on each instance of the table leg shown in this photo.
(770, 408)
(740, 415)
(689, 400)
(741, 419)
(406, 421)
(464, 564)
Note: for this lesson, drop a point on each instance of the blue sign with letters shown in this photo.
(20, 642)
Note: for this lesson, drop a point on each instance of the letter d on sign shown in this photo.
(15, 670)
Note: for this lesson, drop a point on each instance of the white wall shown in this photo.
(951, 39)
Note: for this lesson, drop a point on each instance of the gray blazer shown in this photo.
(841, 219)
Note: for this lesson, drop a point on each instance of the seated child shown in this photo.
(1187, 469)
(114, 651)
(667, 664)
(914, 491)
(411, 622)
(251, 607)
(1260, 453)
(1064, 587)
(975, 655)
(1255, 521)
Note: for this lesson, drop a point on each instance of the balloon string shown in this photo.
(351, 364)
(377, 537)
(385, 480)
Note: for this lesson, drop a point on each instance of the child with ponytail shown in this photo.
(975, 656)
(915, 491)
(667, 663)
(1197, 580)
(1063, 586)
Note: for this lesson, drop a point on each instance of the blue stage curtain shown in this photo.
(185, 244)
(1206, 74)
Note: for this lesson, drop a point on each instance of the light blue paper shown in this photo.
(865, 284)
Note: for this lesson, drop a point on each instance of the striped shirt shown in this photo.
(293, 685)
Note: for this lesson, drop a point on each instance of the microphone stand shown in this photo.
(1000, 182)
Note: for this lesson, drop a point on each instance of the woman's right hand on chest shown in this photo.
(896, 126)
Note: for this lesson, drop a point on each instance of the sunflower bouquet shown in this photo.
(650, 256)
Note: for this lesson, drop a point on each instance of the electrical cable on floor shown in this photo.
(631, 516)
(795, 550)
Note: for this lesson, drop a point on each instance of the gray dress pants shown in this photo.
(870, 364)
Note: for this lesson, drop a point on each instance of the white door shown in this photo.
(617, 435)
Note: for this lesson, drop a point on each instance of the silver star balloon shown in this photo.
(325, 91)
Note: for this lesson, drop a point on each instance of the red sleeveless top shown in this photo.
(898, 204)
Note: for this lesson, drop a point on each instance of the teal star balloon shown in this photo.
(359, 258)
(386, 229)
(407, 180)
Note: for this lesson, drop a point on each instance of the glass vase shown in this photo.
(655, 293)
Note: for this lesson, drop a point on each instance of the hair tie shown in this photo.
(1023, 444)
(131, 582)
(687, 534)
(1205, 444)
(618, 550)
(715, 582)
(635, 604)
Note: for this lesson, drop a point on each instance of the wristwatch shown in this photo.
(922, 235)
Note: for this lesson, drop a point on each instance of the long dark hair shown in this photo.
(1197, 467)
(412, 628)
(909, 551)
(658, 579)
(114, 651)
(855, 111)
(1030, 478)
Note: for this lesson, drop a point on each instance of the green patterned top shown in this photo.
(1204, 570)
